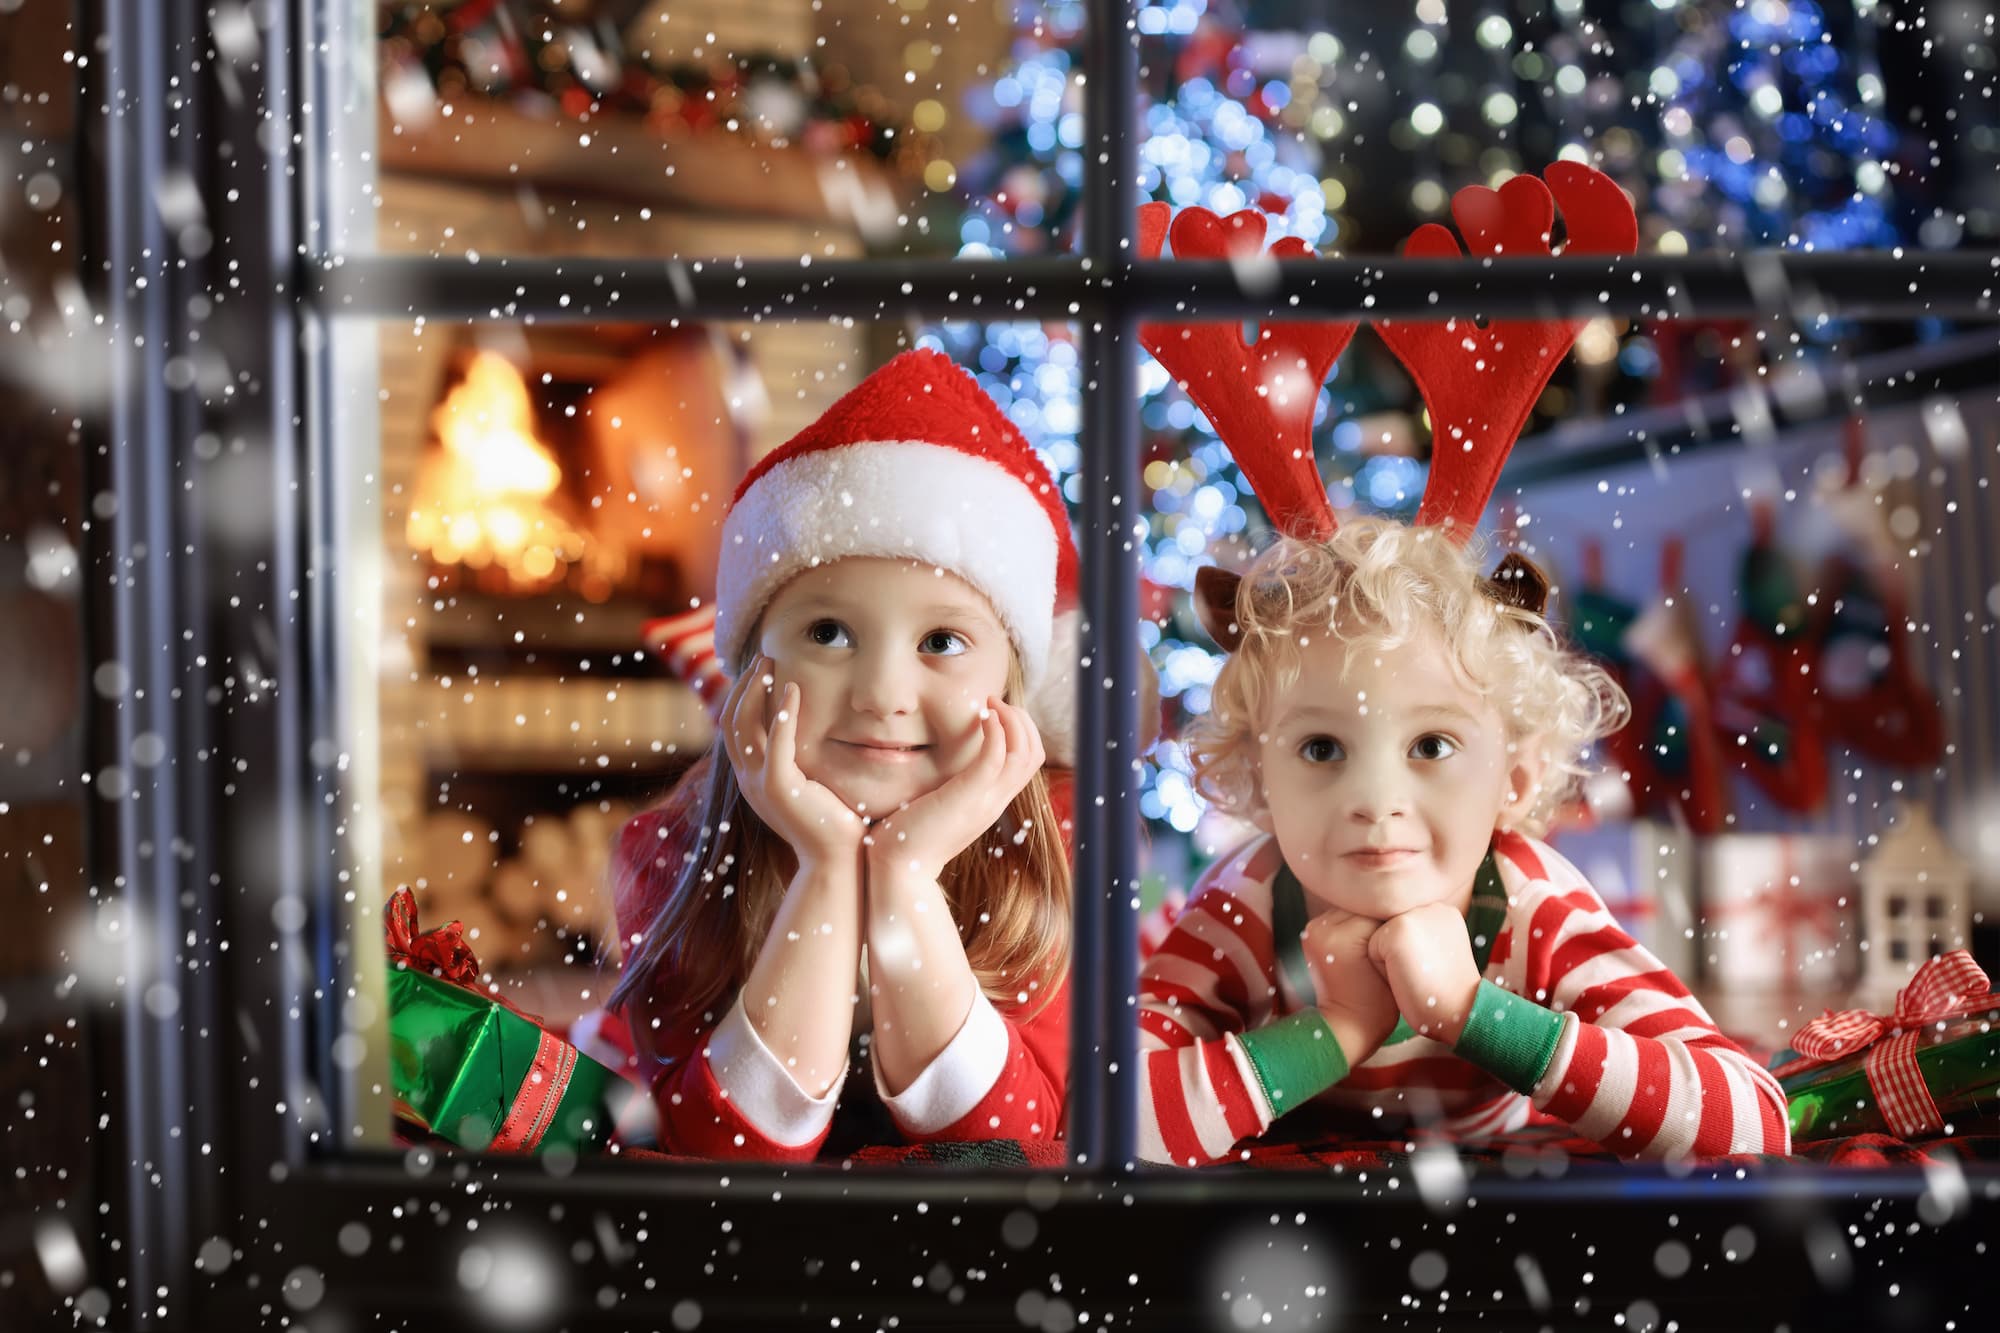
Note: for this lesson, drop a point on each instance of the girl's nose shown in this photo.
(884, 685)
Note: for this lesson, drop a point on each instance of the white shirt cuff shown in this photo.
(958, 1079)
(1552, 1077)
(761, 1088)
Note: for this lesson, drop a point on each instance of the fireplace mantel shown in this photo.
(617, 156)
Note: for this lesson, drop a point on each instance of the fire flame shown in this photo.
(483, 499)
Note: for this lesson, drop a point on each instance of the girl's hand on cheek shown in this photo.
(926, 834)
(761, 732)
(1425, 955)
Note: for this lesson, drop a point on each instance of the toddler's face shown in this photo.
(893, 661)
(1384, 787)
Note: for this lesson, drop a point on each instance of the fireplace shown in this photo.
(554, 489)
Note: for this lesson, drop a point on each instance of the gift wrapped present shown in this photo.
(473, 1069)
(1780, 912)
(1930, 1067)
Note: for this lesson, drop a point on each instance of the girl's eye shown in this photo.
(828, 634)
(1434, 747)
(942, 643)
(1321, 750)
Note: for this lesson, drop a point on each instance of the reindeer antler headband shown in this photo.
(1479, 383)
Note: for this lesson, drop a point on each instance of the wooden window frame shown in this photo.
(231, 642)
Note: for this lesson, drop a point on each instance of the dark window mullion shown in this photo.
(1804, 286)
(1102, 1093)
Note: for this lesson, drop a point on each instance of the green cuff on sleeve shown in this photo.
(1510, 1037)
(1296, 1058)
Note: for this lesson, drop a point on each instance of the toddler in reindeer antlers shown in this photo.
(1398, 949)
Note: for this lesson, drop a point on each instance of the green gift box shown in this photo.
(1932, 1067)
(474, 1070)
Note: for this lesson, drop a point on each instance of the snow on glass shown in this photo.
(1753, 128)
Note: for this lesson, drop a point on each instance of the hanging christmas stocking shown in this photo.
(1765, 710)
(1871, 698)
(1673, 714)
(1597, 623)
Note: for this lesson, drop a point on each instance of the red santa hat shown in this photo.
(915, 463)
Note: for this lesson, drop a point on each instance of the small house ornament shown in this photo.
(1916, 902)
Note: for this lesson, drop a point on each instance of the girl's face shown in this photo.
(1385, 786)
(894, 661)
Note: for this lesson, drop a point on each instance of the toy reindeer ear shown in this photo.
(1215, 605)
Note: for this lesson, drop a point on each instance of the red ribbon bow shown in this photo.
(1948, 986)
(444, 953)
(441, 953)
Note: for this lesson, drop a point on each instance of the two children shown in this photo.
(868, 866)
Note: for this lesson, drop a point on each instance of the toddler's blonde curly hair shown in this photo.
(1379, 583)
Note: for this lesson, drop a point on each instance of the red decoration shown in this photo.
(1480, 384)
(1259, 399)
(1947, 987)
(1674, 674)
(687, 643)
(1767, 678)
(1895, 719)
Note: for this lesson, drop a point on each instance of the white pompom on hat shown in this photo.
(917, 463)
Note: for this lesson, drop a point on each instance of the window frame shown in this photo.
(251, 938)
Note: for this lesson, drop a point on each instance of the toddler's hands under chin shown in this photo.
(1425, 956)
(1345, 986)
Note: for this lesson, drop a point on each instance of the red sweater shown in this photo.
(1600, 1035)
(721, 1093)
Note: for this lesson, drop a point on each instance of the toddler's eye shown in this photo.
(1434, 747)
(942, 643)
(828, 634)
(1321, 750)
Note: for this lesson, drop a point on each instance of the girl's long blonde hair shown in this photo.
(1009, 892)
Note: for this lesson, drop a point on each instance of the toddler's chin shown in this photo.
(1377, 902)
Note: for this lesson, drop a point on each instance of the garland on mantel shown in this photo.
(522, 53)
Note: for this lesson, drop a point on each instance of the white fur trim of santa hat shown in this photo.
(910, 500)
(1052, 701)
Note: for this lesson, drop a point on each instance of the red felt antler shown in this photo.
(1259, 399)
(1480, 384)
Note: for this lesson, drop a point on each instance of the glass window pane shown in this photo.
(773, 129)
(1774, 546)
(1733, 126)
(536, 669)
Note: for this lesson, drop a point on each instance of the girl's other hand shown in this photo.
(761, 731)
(923, 836)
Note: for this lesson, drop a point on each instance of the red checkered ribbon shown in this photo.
(1949, 986)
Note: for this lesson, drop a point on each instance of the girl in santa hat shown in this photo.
(859, 899)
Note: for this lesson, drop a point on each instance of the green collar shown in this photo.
(1288, 918)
